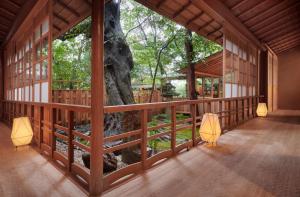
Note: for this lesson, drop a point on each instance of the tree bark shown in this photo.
(118, 64)
(191, 79)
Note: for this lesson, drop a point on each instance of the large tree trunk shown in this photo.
(191, 79)
(118, 64)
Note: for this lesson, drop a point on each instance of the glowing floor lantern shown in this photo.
(262, 110)
(210, 129)
(22, 132)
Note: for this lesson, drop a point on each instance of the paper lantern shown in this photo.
(262, 110)
(21, 132)
(210, 129)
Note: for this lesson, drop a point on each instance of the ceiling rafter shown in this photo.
(214, 31)
(206, 24)
(7, 12)
(253, 8)
(195, 18)
(238, 4)
(278, 23)
(182, 9)
(56, 15)
(70, 9)
(159, 3)
(274, 17)
(292, 23)
(285, 37)
(267, 13)
(280, 33)
(279, 45)
(287, 47)
(56, 27)
(16, 5)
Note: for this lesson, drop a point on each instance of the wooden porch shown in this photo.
(258, 158)
(25, 172)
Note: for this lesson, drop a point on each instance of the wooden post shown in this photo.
(70, 138)
(193, 113)
(53, 139)
(173, 129)
(144, 121)
(237, 111)
(97, 99)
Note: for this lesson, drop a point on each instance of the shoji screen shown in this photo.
(28, 61)
(239, 68)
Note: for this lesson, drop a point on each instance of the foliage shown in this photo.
(157, 44)
(72, 58)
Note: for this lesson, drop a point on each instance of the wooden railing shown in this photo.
(55, 124)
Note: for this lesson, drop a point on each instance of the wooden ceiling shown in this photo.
(67, 13)
(9, 11)
(188, 14)
(210, 67)
(274, 22)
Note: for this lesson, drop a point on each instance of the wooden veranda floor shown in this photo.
(259, 158)
(26, 173)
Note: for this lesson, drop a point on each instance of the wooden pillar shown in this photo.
(97, 99)
(212, 87)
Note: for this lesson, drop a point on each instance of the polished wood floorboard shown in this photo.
(25, 173)
(259, 158)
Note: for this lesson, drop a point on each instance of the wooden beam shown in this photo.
(214, 31)
(285, 37)
(221, 13)
(278, 33)
(238, 4)
(206, 24)
(65, 6)
(262, 3)
(56, 27)
(97, 98)
(290, 23)
(288, 47)
(281, 21)
(13, 3)
(271, 19)
(7, 12)
(159, 3)
(278, 46)
(182, 9)
(194, 18)
(24, 10)
(267, 13)
(61, 18)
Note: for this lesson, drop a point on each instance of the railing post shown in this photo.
(237, 111)
(40, 119)
(243, 108)
(173, 128)
(193, 114)
(144, 121)
(70, 138)
(229, 114)
(248, 108)
(221, 114)
(53, 139)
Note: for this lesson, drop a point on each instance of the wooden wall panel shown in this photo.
(289, 78)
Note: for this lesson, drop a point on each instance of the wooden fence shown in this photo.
(49, 128)
(83, 97)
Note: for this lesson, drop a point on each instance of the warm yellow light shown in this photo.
(21, 132)
(262, 110)
(210, 129)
